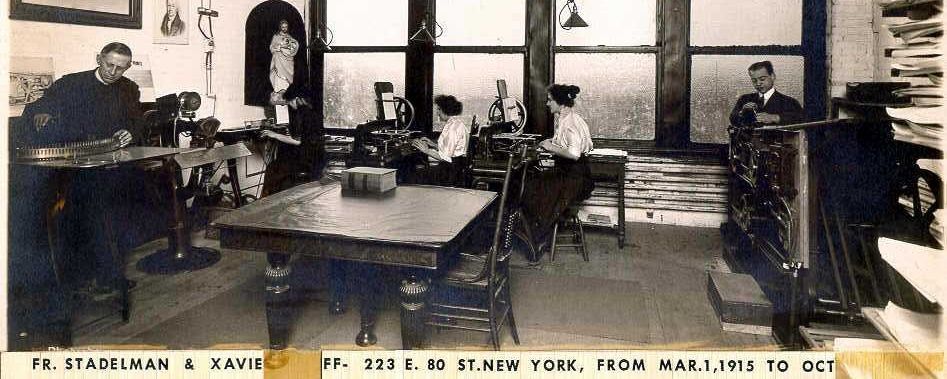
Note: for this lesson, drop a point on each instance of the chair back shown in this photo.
(502, 232)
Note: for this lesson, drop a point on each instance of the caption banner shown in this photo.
(417, 364)
(577, 364)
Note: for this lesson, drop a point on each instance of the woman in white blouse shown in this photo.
(549, 194)
(450, 150)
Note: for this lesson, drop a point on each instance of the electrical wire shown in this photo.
(209, 53)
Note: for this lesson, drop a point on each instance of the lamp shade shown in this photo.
(575, 21)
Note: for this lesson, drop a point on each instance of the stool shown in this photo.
(578, 234)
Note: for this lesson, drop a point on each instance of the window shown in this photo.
(621, 106)
(766, 22)
(369, 39)
(481, 23)
(367, 22)
(614, 23)
(483, 41)
(472, 78)
(350, 85)
(718, 80)
(614, 64)
(651, 72)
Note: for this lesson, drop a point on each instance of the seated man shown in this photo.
(766, 105)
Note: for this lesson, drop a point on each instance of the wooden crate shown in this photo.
(740, 303)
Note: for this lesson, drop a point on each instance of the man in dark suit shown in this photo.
(766, 105)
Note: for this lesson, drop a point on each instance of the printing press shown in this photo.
(386, 141)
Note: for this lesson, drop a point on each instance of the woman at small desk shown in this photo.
(551, 192)
(451, 148)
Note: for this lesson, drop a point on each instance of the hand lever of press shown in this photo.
(40, 120)
(123, 137)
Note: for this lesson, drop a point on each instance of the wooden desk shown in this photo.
(413, 227)
(611, 168)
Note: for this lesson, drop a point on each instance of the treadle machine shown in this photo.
(386, 141)
(495, 141)
(181, 255)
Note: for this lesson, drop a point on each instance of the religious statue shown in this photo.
(284, 48)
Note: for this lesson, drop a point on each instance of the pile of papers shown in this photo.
(918, 53)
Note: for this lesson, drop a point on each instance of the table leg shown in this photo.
(278, 305)
(180, 255)
(413, 292)
(621, 207)
(234, 183)
(368, 291)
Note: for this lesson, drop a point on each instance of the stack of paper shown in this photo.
(921, 266)
(918, 125)
(919, 53)
(920, 134)
(937, 226)
(923, 95)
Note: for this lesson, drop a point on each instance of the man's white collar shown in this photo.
(99, 77)
(768, 94)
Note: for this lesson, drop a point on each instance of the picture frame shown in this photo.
(171, 22)
(108, 13)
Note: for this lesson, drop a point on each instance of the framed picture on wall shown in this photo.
(171, 22)
(109, 13)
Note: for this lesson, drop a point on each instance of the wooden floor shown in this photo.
(664, 266)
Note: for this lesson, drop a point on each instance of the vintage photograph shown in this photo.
(483, 175)
(171, 25)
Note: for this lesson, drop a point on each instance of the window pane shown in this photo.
(617, 97)
(611, 23)
(368, 22)
(482, 22)
(746, 22)
(718, 80)
(350, 85)
(472, 78)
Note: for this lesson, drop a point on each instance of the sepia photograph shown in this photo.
(171, 26)
(478, 175)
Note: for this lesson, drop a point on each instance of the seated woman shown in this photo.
(550, 193)
(451, 148)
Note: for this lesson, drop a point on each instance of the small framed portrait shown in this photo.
(172, 25)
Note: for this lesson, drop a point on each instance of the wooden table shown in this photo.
(417, 228)
(611, 168)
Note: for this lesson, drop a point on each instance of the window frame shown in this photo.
(482, 49)
(672, 59)
(624, 143)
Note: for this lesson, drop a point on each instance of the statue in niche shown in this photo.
(284, 48)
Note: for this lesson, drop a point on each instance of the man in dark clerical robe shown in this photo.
(83, 106)
(766, 106)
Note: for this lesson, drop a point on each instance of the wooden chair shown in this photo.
(484, 279)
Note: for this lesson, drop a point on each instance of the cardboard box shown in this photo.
(368, 180)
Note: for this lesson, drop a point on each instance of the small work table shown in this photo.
(611, 168)
(416, 228)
